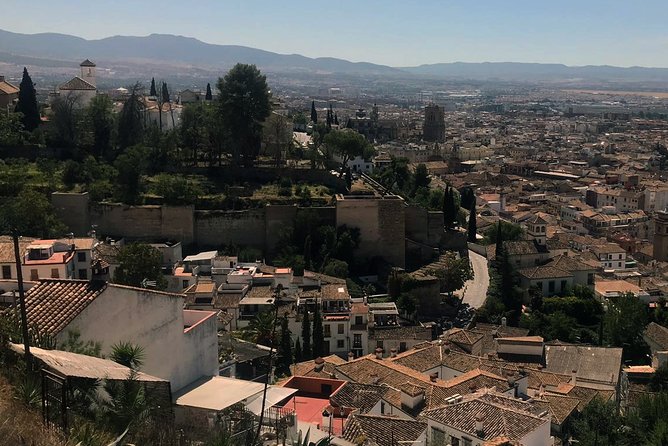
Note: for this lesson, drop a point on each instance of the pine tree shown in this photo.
(473, 224)
(318, 335)
(306, 336)
(299, 357)
(27, 104)
(314, 114)
(153, 92)
(285, 348)
(209, 95)
(165, 93)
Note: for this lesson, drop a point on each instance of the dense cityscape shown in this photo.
(332, 255)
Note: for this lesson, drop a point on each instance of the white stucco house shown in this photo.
(179, 345)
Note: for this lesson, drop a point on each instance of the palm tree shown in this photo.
(128, 354)
(261, 329)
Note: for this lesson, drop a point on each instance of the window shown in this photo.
(358, 320)
(328, 332)
(402, 347)
(6, 272)
(184, 284)
(357, 341)
(454, 441)
(34, 275)
(339, 344)
(466, 442)
(379, 344)
(382, 407)
(539, 285)
(81, 257)
(437, 436)
(339, 329)
(54, 273)
(550, 286)
(619, 264)
(83, 274)
(563, 285)
(590, 279)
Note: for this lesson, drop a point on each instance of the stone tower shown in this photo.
(434, 124)
(537, 230)
(88, 72)
(661, 236)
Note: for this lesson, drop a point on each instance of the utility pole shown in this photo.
(22, 301)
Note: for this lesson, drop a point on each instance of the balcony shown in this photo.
(358, 327)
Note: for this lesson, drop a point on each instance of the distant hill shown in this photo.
(166, 48)
(537, 71)
(190, 55)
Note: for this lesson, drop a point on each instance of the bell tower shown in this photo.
(88, 72)
(661, 236)
(537, 230)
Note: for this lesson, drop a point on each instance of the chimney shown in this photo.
(478, 425)
(319, 364)
(351, 356)
(374, 378)
(2, 78)
(393, 353)
(504, 321)
(574, 377)
(433, 377)
(379, 353)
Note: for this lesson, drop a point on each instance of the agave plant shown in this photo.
(305, 441)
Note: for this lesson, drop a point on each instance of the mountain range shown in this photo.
(50, 49)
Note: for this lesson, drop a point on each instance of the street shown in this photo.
(475, 291)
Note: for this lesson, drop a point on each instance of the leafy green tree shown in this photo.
(472, 224)
(285, 348)
(243, 104)
(394, 281)
(598, 425)
(27, 103)
(102, 122)
(131, 166)
(348, 144)
(131, 119)
(453, 272)
(314, 113)
(12, 132)
(176, 189)
(31, 213)
(624, 323)
(139, 262)
(66, 119)
(407, 303)
(153, 92)
(277, 136)
(318, 333)
(421, 176)
(336, 268)
(208, 96)
(306, 336)
(508, 231)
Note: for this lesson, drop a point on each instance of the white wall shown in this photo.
(155, 322)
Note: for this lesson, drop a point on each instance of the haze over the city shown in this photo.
(394, 33)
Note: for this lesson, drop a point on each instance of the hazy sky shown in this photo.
(392, 32)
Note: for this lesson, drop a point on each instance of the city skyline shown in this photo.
(390, 33)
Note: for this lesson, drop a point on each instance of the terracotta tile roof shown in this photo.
(307, 368)
(7, 248)
(383, 431)
(544, 272)
(463, 336)
(502, 416)
(53, 304)
(7, 88)
(560, 406)
(87, 63)
(107, 252)
(408, 333)
(657, 334)
(76, 83)
(359, 396)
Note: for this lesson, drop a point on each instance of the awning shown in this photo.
(274, 396)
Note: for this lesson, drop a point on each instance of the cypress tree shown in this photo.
(314, 114)
(318, 335)
(449, 208)
(165, 93)
(444, 206)
(153, 92)
(209, 95)
(27, 103)
(473, 224)
(498, 251)
(394, 285)
(285, 347)
(336, 119)
(307, 252)
(299, 357)
(306, 336)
